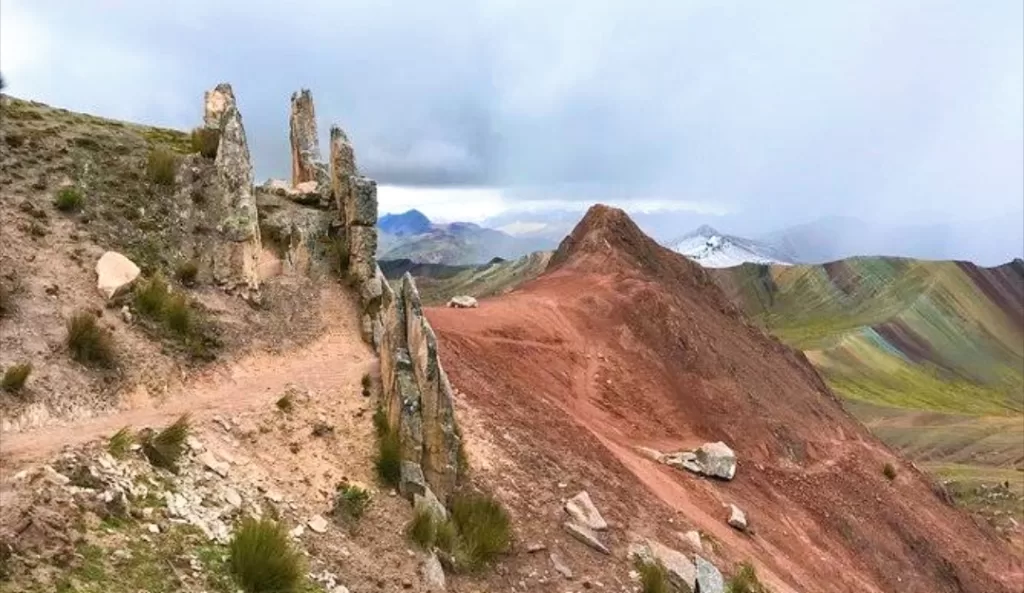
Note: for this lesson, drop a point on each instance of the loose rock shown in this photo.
(115, 274)
(717, 460)
(737, 518)
(463, 302)
(585, 535)
(318, 524)
(709, 579)
(433, 574)
(583, 511)
(681, 572)
(560, 566)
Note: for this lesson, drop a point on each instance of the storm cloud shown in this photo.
(778, 111)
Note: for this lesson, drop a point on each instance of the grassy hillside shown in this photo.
(941, 336)
(438, 283)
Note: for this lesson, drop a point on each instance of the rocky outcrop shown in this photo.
(307, 164)
(343, 166)
(234, 261)
(301, 237)
(115, 274)
(417, 396)
(216, 103)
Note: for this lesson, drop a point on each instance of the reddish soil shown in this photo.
(622, 344)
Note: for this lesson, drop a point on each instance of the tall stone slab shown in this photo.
(343, 166)
(307, 164)
(235, 261)
(216, 103)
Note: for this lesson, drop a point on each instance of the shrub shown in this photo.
(263, 560)
(351, 500)
(69, 199)
(205, 141)
(151, 296)
(164, 449)
(89, 343)
(177, 315)
(653, 576)
(389, 458)
(15, 377)
(161, 166)
(186, 272)
(483, 529)
(889, 470)
(367, 383)
(119, 444)
(380, 421)
(746, 581)
(422, 530)
(285, 404)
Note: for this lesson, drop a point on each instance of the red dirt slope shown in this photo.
(622, 343)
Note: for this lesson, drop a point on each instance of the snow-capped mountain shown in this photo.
(713, 249)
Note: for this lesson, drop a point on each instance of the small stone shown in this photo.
(737, 518)
(585, 535)
(534, 548)
(583, 511)
(232, 497)
(406, 584)
(211, 463)
(318, 524)
(560, 566)
(297, 532)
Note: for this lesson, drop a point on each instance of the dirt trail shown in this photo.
(337, 358)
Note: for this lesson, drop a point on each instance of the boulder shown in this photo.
(682, 574)
(463, 302)
(583, 511)
(412, 481)
(115, 274)
(586, 535)
(432, 573)
(709, 579)
(717, 460)
(737, 518)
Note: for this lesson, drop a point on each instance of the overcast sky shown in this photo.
(771, 112)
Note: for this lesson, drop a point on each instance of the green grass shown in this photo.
(483, 529)
(380, 421)
(263, 559)
(162, 166)
(422, 529)
(174, 317)
(745, 581)
(286, 403)
(389, 458)
(15, 377)
(889, 471)
(205, 141)
(653, 577)
(164, 449)
(69, 199)
(88, 343)
(120, 443)
(367, 383)
(351, 501)
(186, 272)
(151, 296)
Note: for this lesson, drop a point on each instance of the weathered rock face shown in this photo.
(216, 103)
(115, 274)
(300, 236)
(343, 166)
(417, 394)
(235, 260)
(307, 164)
(682, 574)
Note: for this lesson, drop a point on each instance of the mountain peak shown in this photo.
(411, 222)
(704, 230)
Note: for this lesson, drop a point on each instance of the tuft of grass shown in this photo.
(889, 471)
(15, 377)
(286, 404)
(367, 384)
(653, 576)
(389, 458)
(205, 141)
(151, 296)
(380, 421)
(262, 559)
(162, 166)
(746, 581)
(164, 449)
(6, 301)
(119, 444)
(177, 315)
(483, 529)
(422, 530)
(351, 501)
(69, 199)
(186, 272)
(89, 343)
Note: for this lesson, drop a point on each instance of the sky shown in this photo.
(763, 114)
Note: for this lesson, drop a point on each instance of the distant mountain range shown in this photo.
(412, 236)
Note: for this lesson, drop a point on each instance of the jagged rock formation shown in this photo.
(307, 164)
(216, 103)
(417, 396)
(343, 165)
